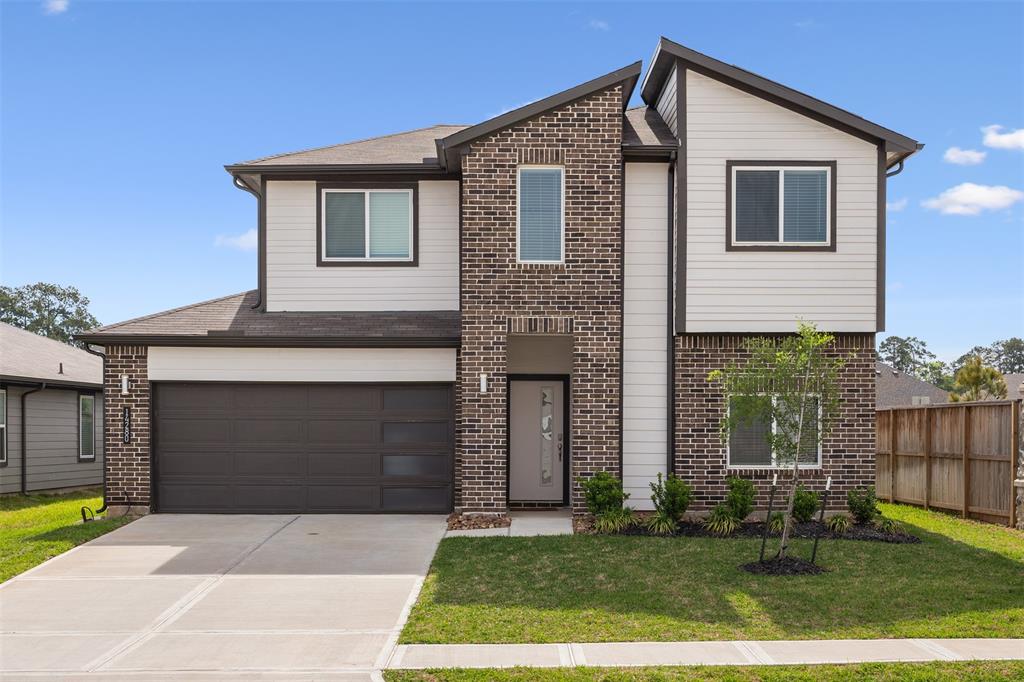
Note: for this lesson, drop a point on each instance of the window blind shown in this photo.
(389, 225)
(757, 206)
(804, 206)
(86, 426)
(345, 225)
(540, 214)
(748, 444)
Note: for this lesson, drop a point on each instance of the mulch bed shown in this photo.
(477, 521)
(789, 565)
(810, 529)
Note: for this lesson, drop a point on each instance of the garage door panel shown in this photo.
(273, 448)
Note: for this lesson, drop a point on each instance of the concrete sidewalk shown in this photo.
(630, 654)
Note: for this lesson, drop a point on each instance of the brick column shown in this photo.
(128, 464)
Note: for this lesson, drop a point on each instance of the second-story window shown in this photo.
(541, 215)
(781, 205)
(367, 225)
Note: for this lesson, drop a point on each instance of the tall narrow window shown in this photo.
(3, 427)
(781, 206)
(541, 212)
(86, 427)
(366, 226)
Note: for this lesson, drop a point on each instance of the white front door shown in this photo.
(538, 449)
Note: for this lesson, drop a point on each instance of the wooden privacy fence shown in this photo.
(957, 456)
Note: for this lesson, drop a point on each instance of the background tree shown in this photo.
(1009, 355)
(988, 355)
(977, 381)
(937, 373)
(49, 310)
(906, 354)
(792, 383)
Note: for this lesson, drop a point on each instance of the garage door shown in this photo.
(270, 448)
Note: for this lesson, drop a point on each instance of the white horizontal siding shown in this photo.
(294, 282)
(301, 364)
(666, 104)
(645, 333)
(765, 291)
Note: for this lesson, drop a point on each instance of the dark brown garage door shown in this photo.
(269, 448)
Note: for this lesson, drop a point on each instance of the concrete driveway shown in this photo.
(220, 597)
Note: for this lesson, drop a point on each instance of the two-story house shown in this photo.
(474, 318)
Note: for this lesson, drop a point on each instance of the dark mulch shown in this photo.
(810, 529)
(789, 565)
(472, 522)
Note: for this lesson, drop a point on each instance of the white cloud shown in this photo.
(55, 6)
(599, 25)
(1013, 139)
(971, 199)
(512, 108)
(897, 205)
(963, 157)
(246, 241)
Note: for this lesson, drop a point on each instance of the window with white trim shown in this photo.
(86, 427)
(367, 225)
(749, 448)
(3, 426)
(540, 213)
(781, 205)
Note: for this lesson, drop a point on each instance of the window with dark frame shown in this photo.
(3, 426)
(780, 205)
(541, 214)
(86, 427)
(749, 448)
(367, 225)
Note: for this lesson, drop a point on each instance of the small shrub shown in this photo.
(614, 521)
(776, 521)
(671, 497)
(722, 521)
(863, 504)
(885, 525)
(740, 499)
(840, 523)
(603, 493)
(805, 503)
(661, 523)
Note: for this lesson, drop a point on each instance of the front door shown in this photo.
(538, 443)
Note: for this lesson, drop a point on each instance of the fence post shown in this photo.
(967, 458)
(892, 455)
(1014, 454)
(927, 455)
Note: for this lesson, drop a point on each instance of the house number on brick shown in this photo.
(126, 425)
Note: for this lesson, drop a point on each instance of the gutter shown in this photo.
(103, 421)
(24, 437)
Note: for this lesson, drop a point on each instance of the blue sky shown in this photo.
(118, 117)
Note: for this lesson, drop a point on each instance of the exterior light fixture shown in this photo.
(483, 382)
(124, 384)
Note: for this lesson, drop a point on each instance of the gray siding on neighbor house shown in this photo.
(52, 453)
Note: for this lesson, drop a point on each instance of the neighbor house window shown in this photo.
(749, 446)
(541, 212)
(781, 206)
(86, 427)
(3, 427)
(365, 226)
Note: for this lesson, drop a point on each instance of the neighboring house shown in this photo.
(894, 388)
(1014, 386)
(52, 392)
(477, 317)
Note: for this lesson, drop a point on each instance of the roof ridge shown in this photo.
(168, 312)
(345, 144)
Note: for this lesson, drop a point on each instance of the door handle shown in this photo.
(559, 447)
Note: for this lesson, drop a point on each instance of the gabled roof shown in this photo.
(28, 357)
(449, 149)
(412, 148)
(894, 388)
(232, 321)
(898, 147)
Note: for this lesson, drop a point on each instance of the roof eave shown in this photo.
(9, 379)
(328, 168)
(249, 341)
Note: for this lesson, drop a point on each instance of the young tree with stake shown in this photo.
(790, 384)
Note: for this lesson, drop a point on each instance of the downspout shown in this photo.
(24, 438)
(899, 169)
(103, 421)
(670, 437)
(261, 237)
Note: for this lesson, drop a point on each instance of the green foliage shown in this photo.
(805, 503)
(840, 523)
(863, 504)
(671, 497)
(661, 523)
(739, 501)
(614, 520)
(906, 354)
(603, 493)
(776, 522)
(49, 310)
(721, 521)
(887, 525)
(937, 373)
(1006, 355)
(977, 381)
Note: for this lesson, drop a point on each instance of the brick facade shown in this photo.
(128, 464)
(848, 454)
(497, 292)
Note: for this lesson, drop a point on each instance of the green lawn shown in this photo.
(34, 528)
(973, 671)
(965, 579)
